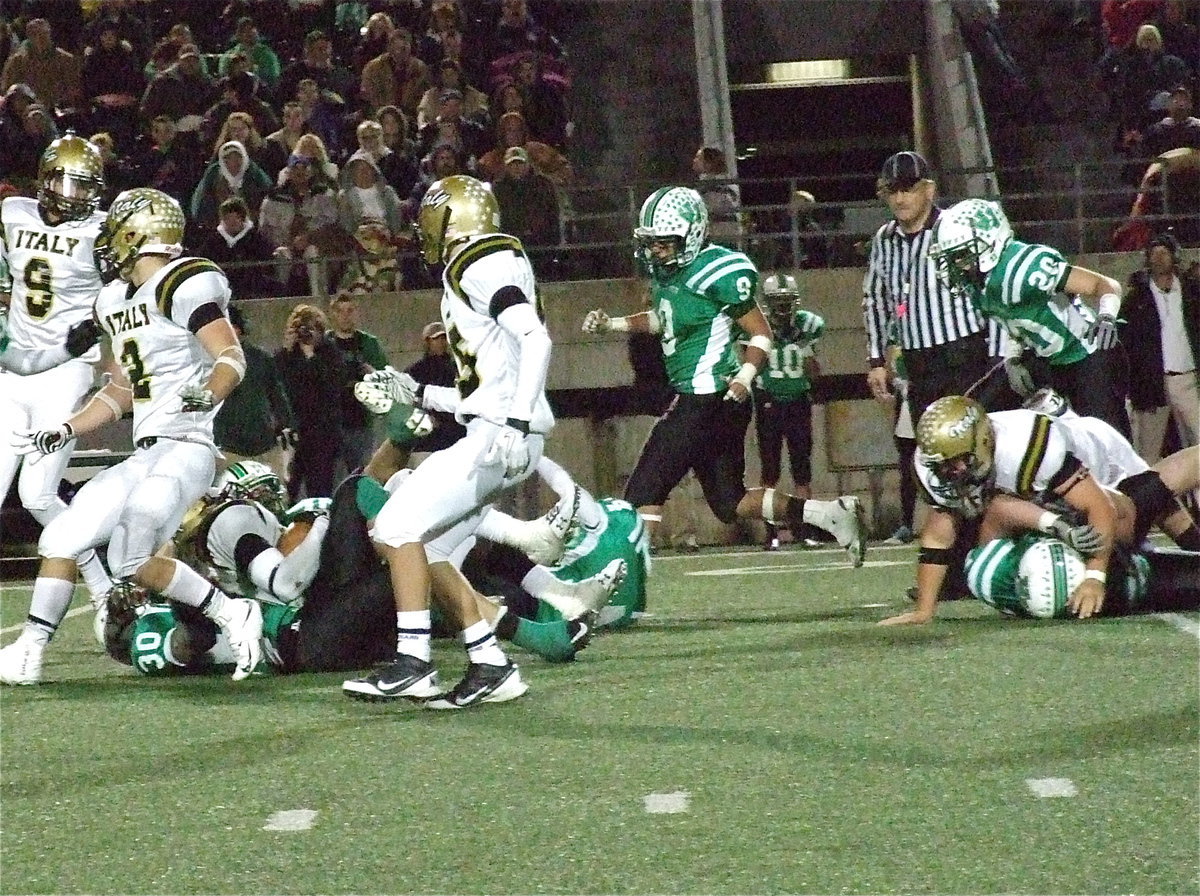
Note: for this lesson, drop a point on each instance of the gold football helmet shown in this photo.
(454, 208)
(141, 221)
(957, 443)
(70, 178)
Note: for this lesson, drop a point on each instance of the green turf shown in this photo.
(820, 753)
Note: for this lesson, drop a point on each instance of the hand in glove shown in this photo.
(808, 326)
(1084, 539)
(194, 398)
(510, 449)
(1020, 380)
(597, 321)
(395, 384)
(44, 441)
(82, 336)
(1102, 331)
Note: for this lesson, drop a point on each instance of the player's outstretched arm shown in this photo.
(937, 538)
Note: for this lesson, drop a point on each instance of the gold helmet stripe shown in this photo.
(1034, 454)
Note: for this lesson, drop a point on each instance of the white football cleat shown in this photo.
(241, 621)
(543, 540)
(21, 662)
(575, 599)
(848, 524)
(99, 621)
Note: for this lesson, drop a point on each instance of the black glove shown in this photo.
(82, 336)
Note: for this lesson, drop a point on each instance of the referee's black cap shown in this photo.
(904, 170)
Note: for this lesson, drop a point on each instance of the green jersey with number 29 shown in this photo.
(1024, 292)
(697, 307)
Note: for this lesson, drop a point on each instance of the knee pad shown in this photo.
(1150, 497)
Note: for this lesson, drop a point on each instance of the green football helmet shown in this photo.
(70, 178)
(254, 481)
(967, 241)
(956, 442)
(671, 213)
(454, 209)
(141, 221)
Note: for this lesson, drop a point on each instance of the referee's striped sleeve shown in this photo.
(876, 312)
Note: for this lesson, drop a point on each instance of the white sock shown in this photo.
(94, 575)
(817, 513)
(482, 646)
(47, 607)
(538, 580)
(189, 587)
(412, 633)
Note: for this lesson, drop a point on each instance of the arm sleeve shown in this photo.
(287, 577)
(875, 314)
(33, 360)
(440, 398)
(521, 322)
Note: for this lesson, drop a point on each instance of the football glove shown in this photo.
(1102, 331)
(509, 449)
(82, 336)
(1020, 380)
(597, 321)
(395, 384)
(194, 398)
(1084, 539)
(44, 441)
(808, 325)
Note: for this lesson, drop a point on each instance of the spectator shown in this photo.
(237, 95)
(280, 144)
(444, 18)
(511, 131)
(396, 77)
(528, 205)
(1143, 70)
(369, 211)
(517, 32)
(239, 126)
(1180, 37)
(311, 145)
(183, 91)
(20, 147)
(375, 36)
(1178, 129)
(722, 198)
(298, 220)
(255, 422)
(450, 111)
(507, 98)
(231, 173)
(168, 161)
(363, 354)
(443, 161)
(437, 368)
(545, 103)
(52, 72)
(115, 175)
(448, 76)
(241, 250)
(129, 26)
(399, 169)
(323, 113)
(38, 131)
(313, 373)
(1120, 20)
(113, 84)
(317, 63)
(397, 132)
(264, 60)
(1161, 329)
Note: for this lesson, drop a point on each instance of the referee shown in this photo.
(944, 339)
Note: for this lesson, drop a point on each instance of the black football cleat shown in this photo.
(483, 683)
(406, 677)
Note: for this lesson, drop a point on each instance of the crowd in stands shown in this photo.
(300, 135)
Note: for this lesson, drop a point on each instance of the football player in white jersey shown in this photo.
(494, 324)
(52, 281)
(171, 356)
(1009, 468)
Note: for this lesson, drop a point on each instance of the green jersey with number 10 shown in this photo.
(698, 306)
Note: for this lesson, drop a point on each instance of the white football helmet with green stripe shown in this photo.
(672, 213)
(967, 241)
(254, 481)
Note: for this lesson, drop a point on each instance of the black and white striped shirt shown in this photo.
(904, 301)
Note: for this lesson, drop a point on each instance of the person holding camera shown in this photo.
(314, 376)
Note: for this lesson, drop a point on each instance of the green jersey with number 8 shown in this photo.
(697, 307)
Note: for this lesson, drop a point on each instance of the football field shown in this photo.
(755, 733)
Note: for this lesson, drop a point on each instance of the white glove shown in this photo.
(44, 441)
(375, 397)
(1103, 331)
(1084, 539)
(400, 386)
(509, 448)
(1020, 380)
(597, 321)
(195, 398)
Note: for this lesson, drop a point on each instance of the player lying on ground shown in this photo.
(967, 457)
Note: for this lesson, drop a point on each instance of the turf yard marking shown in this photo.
(1046, 788)
(1181, 622)
(667, 803)
(788, 567)
(291, 820)
(21, 625)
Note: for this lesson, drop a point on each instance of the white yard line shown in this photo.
(1185, 624)
(86, 608)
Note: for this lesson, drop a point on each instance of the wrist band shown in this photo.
(618, 324)
(1046, 522)
(1098, 575)
(746, 375)
(1109, 304)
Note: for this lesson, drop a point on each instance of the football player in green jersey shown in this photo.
(1035, 293)
(782, 400)
(702, 301)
